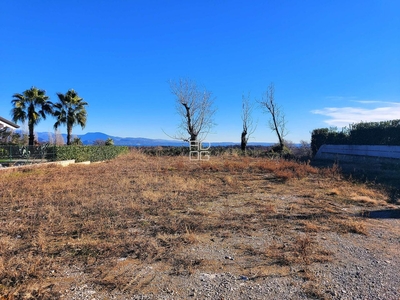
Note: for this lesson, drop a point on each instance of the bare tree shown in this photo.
(195, 107)
(99, 142)
(277, 122)
(248, 125)
(51, 138)
(58, 138)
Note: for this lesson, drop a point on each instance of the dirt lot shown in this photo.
(142, 227)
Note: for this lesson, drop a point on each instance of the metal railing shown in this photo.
(14, 154)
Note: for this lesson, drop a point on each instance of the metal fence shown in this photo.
(26, 154)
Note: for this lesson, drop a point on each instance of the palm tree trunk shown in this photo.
(31, 110)
(69, 133)
(31, 135)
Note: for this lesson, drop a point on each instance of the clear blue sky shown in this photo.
(332, 62)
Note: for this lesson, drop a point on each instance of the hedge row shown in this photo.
(375, 133)
(212, 151)
(86, 153)
(371, 133)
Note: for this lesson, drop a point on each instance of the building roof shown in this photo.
(6, 123)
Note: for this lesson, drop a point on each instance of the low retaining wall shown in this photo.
(62, 163)
(358, 152)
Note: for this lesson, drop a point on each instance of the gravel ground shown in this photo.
(361, 267)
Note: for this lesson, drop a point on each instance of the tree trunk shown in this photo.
(190, 128)
(31, 110)
(193, 137)
(31, 135)
(281, 143)
(243, 142)
(69, 133)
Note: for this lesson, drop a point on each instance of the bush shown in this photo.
(375, 133)
(88, 153)
(77, 142)
(109, 142)
(365, 133)
(330, 136)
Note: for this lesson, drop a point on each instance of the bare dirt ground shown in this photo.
(142, 227)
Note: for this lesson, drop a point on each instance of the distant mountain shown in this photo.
(90, 137)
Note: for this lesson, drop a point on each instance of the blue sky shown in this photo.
(332, 62)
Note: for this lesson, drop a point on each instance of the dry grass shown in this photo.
(124, 222)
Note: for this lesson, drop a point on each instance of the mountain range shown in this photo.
(91, 137)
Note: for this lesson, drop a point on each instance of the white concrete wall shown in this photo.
(353, 151)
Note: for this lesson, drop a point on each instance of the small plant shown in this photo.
(77, 142)
(352, 226)
(303, 248)
(109, 142)
(333, 172)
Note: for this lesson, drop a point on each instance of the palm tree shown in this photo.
(70, 110)
(32, 105)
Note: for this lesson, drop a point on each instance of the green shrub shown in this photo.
(330, 136)
(109, 142)
(4, 153)
(375, 133)
(77, 142)
(88, 153)
(364, 133)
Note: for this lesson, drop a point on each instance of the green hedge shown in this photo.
(87, 153)
(371, 133)
(212, 151)
(375, 133)
(329, 136)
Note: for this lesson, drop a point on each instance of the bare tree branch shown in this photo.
(277, 122)
(195, 108)
(248, 124)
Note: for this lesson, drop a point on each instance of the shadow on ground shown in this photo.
(383, 214)
(382, 173)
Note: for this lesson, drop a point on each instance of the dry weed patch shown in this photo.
(126, 222)
(352, 226)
